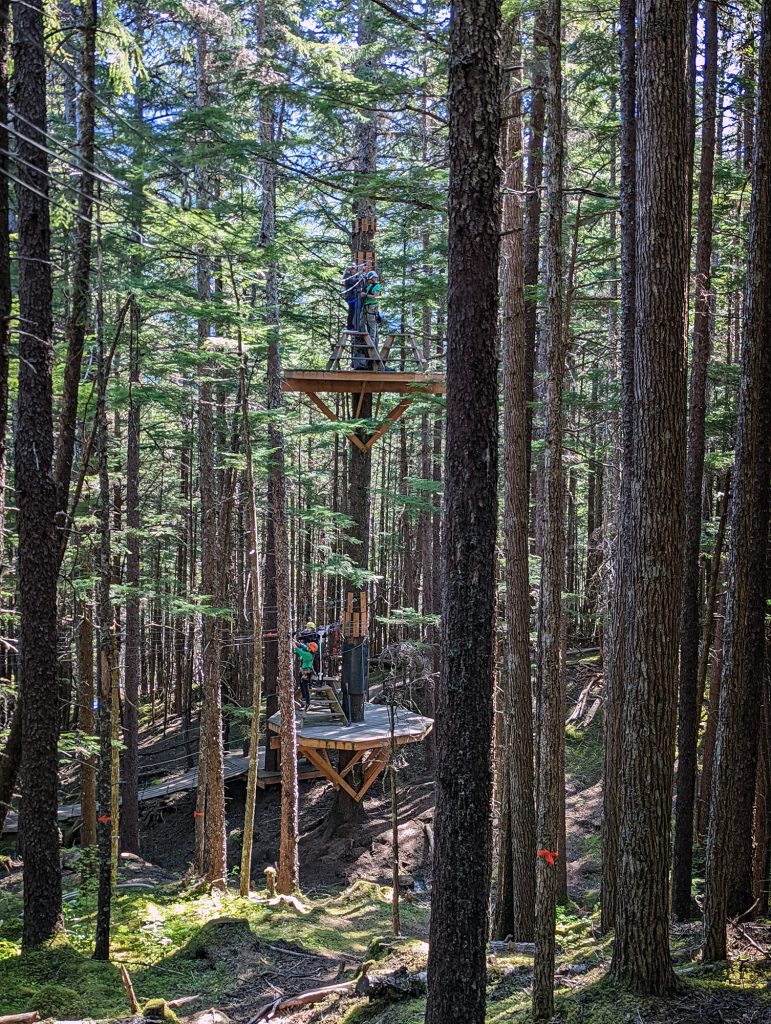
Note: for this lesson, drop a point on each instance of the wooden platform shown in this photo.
(369, 742)
(367, 381)
(314, 383)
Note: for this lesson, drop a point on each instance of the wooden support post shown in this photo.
(393, 416)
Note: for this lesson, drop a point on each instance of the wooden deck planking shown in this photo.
(235, 766)
(375, 381)
(319, 729)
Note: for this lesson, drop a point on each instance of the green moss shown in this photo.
(170, 936)
(158, 1009)
(58, 1001)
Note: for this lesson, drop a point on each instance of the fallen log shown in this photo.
(314, 995)
(509, 946)
(398, 984)
(21, 1018)
(174, 1004)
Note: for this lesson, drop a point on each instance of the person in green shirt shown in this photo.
(306, 656)
(372, 292)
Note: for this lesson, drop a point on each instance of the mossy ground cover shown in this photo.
(736, 993)
(155, 934)
(163, 934)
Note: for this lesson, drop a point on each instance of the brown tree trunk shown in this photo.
(288, 867)
(86, 696)
(129, 824)
(653, 574)
(105, 824)
(77, 323)
(728, 878)
(211, 848)
(457, 969)
(36, 492)
(255, 593)
(5, 285)
(614, 641)
(132, 656)
(514, 912)
(551, 667)
(532, 225)
(710, 731)
(689, 626)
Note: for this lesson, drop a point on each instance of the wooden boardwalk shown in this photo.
(235, 766)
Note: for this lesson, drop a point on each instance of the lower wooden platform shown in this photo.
(369, 742)
(305, 771)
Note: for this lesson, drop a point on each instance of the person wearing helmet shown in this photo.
(306, 656)
(309, 636)
(372, 292)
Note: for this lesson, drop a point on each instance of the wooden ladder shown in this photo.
(374, 358)
(328, 693)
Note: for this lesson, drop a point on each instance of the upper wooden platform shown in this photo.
(313, 383)
(369, 381)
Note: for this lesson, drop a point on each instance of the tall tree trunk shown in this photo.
(514, 913)
(132, 655)
(10, 755)
(5, 285)
(653, 573)
(532, 225)
(129, 824)
(551, 666)
(710, 730)
(77, 323)
(288, 867)
(689, 712)
(105, 824)
(457, 966)
(255, 589)
(345, 809)
(211, 848)
(86, 695)
(614, 660)
(728, 875)
(36, 492)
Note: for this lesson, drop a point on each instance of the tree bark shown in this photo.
(132, 656)
(462, 861)
(728, 878)
(614, 660)
(551, 666)
(211, 847)
(514, 912)
(77, 322)
(256, 609)
(689, 624)
(129, 824)
(86, 694)
(105, 824)
(36, 492)
(288, 866)
(653, 574)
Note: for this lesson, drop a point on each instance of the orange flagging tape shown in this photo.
(548, 855)
(197, 814)
(103, 819)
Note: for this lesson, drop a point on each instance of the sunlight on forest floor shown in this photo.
(176, 939)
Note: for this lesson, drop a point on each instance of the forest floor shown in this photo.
(238, 955)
